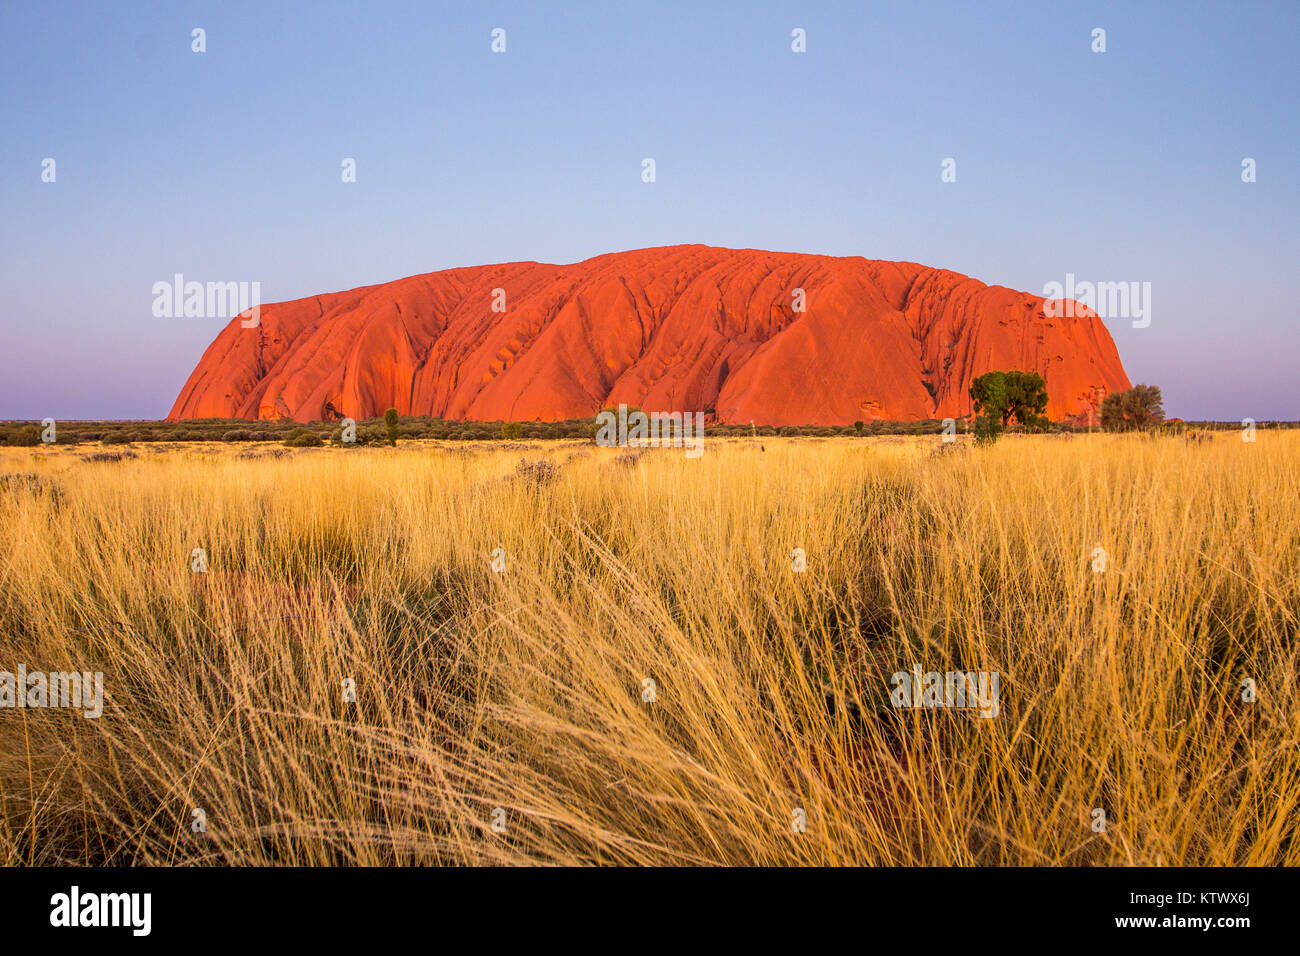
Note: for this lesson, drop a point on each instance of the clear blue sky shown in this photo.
(226, 165)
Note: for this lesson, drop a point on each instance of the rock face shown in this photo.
(680, 328)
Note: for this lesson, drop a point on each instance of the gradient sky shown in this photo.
(225, 165)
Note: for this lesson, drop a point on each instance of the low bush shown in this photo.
(303, 438)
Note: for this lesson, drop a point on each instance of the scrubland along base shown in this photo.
(525, 690)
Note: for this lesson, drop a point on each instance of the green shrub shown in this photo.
(1009, 395)
(303, 438)
(1140, 407)
(512, 431)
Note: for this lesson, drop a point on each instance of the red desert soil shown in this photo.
(678, 328)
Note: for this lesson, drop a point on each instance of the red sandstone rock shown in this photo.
(679, 328)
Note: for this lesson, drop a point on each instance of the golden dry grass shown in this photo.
(523, 690)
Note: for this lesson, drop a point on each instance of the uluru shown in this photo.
(745, 335)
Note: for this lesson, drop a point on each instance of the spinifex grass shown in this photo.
(523, 690)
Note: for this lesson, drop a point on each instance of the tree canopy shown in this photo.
(999, 397)
(1139, 407)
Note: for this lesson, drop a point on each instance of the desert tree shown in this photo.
(1137, 408)
(1000, 397)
